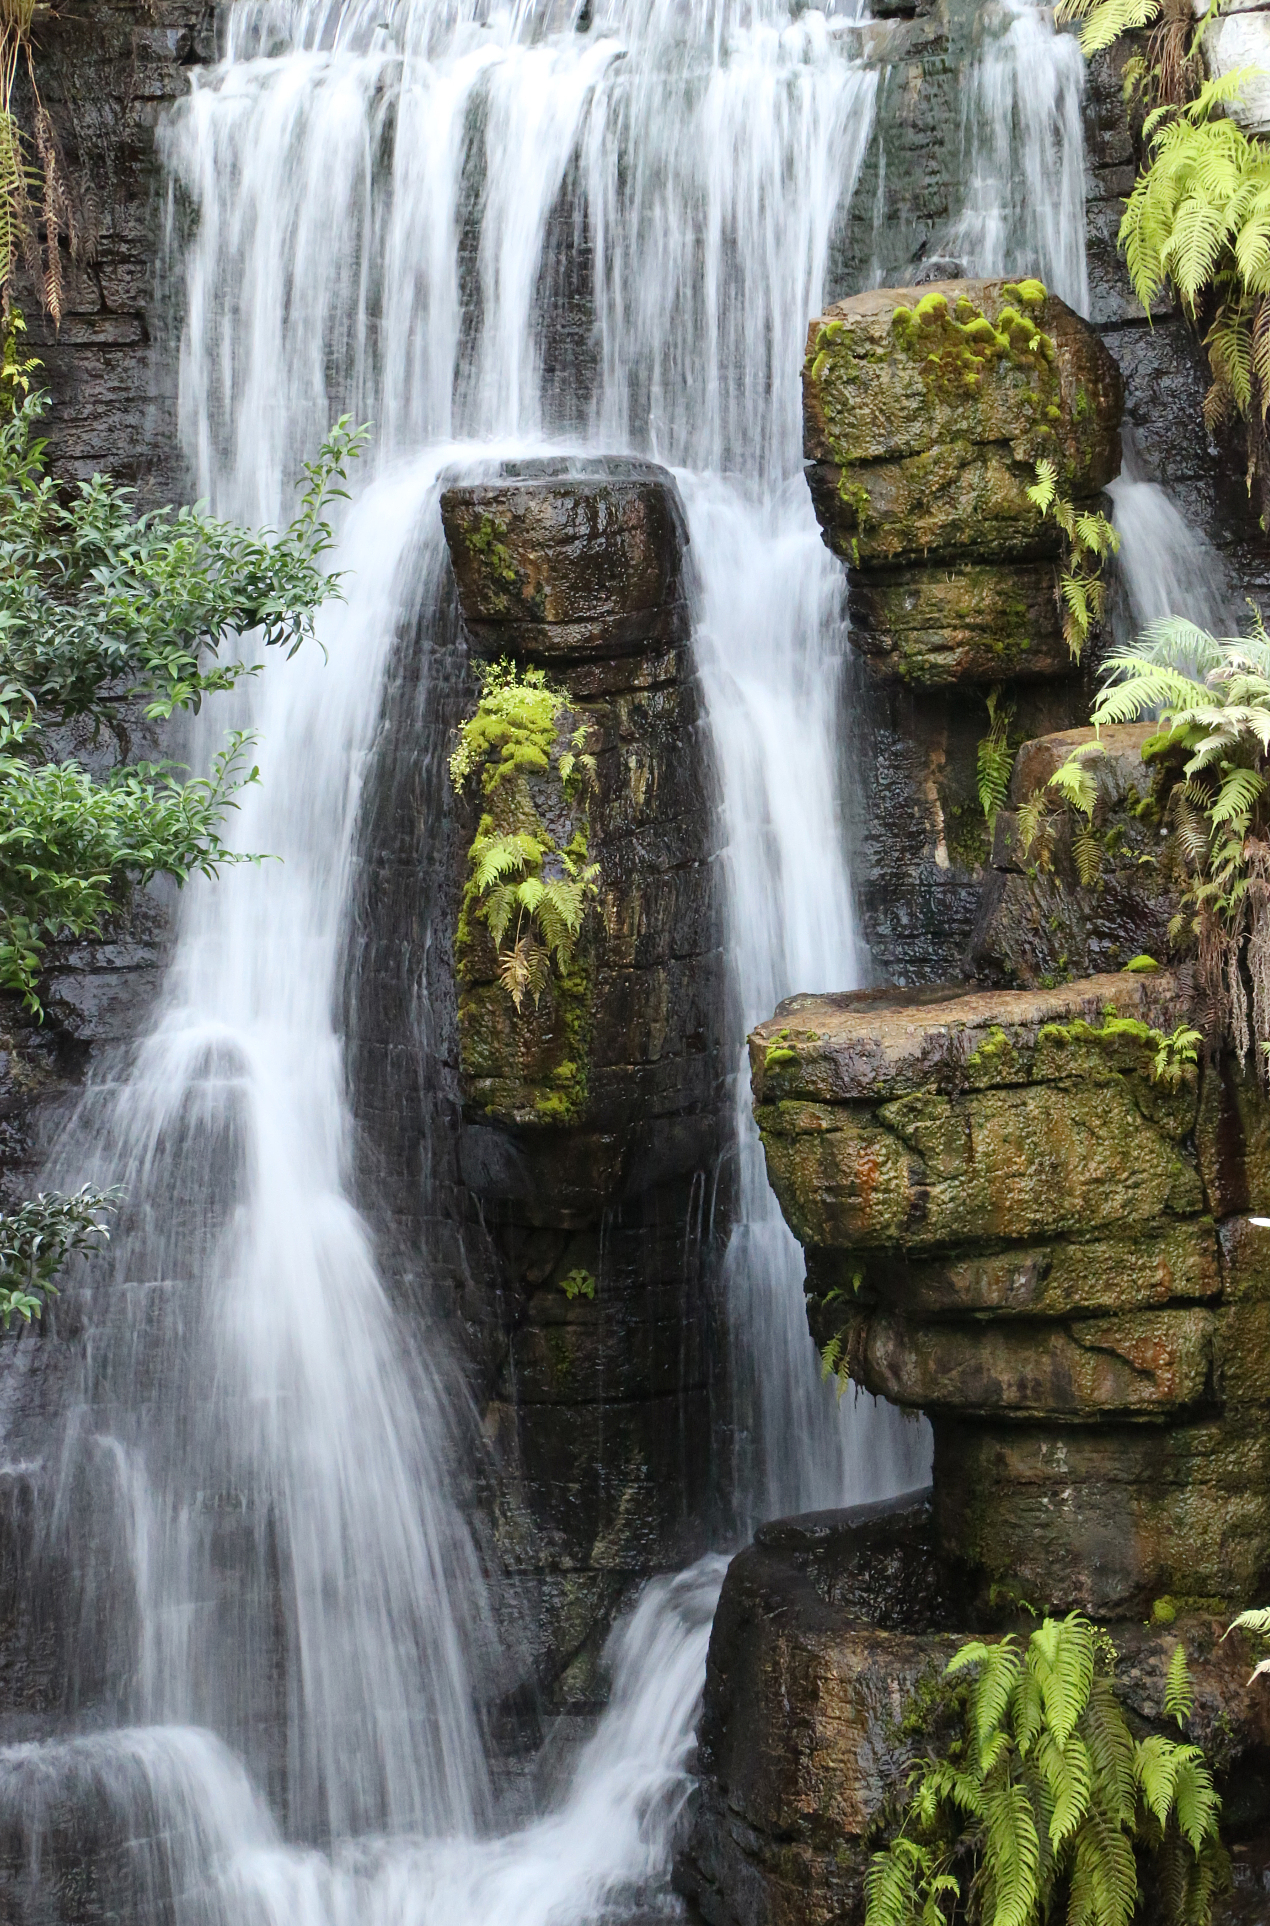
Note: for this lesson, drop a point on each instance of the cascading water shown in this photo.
(395, 210)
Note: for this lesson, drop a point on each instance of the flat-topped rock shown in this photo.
(1009, 1203)
(870, 1046)
(561, 560)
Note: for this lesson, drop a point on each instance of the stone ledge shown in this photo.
(872, 1045)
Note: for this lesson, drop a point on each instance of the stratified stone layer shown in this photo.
(588, 1125)
(1018, 1216)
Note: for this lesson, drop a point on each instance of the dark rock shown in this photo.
(830, 1632)
(1037, 919)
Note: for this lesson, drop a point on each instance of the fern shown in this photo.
(30, 191)
(1179, 1693)
(1088, 541)
(1045, 1793)
(995, 758)
(532, 894)
(1103, 21)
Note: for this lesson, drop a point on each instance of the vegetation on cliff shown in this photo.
(1032, 1800)
(33, 187)
(530, 891)
(107, 614)
(1212, 699)
(1198, 216)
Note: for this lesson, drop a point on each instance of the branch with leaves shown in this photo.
(101, 608)
(36, 1240)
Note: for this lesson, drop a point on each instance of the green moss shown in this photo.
(489, 542)
(1173, 1606)
(966, 835)
(777, 1055)
(956, 348)
(996, 1044)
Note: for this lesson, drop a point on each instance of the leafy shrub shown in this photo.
(37, 1238)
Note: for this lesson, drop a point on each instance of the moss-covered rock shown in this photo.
(1039, 917)
(925, 416)
(931, 414)
(586, 1121)
(577, 576)
(1019, 1211)
(824, 1673)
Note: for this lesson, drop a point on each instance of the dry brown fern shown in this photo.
(33, 187)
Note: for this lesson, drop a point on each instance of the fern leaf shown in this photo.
(1257, 1622)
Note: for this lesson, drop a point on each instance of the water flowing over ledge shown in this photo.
(488, 233)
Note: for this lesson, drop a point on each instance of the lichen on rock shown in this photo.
(924, 424)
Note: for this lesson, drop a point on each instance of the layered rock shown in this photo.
(581, 577)
(1017, 1210)
(830, 1638)
(588, 1123)
(924, 420)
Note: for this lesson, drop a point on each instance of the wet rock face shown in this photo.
(924, 419)
(584, 1132)
(108, 75)
(826, 1629)
(1017, 1221)
(613, 1082)
(1038, 918)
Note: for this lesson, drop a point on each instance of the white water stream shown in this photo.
(367, 203)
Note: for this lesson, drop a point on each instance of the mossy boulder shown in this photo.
(823, 1677)
(930, 415)
(925, 416)
(1023, 1215)
(559, 565)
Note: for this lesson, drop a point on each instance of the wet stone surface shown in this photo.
(826, 1629)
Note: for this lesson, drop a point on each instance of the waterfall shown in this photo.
(399, 208)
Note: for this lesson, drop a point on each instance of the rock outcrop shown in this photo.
(924, 420)
(830, 1637)
(587, 1126)
(1019, 1216)
(1050, 909)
